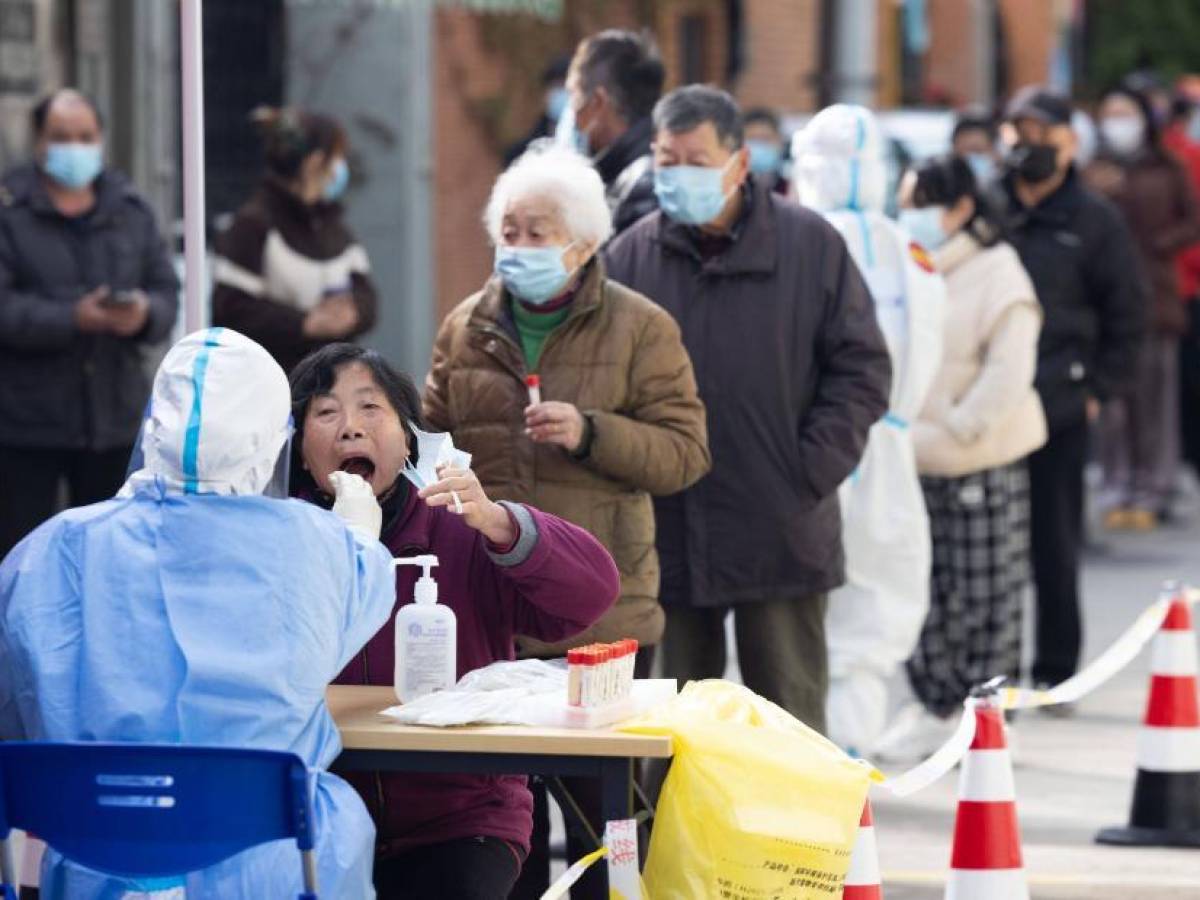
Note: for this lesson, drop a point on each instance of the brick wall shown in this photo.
(1029, 27)
(781, 54)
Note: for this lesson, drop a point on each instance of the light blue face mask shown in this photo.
(765, 158)
(924, 225)
(339, 179)
(557, 100)
(74, 165)
(982, 166)
(567, 133)
(535, 275)
(690, 194)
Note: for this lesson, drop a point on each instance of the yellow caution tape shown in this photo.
(559, 889)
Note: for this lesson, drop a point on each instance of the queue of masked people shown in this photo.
(762, 400)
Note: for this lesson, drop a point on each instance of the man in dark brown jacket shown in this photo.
(793, 371)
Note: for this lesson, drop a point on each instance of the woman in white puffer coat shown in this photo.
(981, 419)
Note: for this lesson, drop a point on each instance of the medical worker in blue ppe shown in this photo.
(874, 620)
(193, 609)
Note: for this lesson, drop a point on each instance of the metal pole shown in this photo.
(191, 40)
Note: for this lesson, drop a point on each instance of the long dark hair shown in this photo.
(315, 375)
(946, 179)
(289, 135)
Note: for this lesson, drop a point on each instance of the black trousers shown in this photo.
(535, 876)
(1056, 507)
(479, 868)
(29, 485)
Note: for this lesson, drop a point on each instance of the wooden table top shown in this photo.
(357, 711)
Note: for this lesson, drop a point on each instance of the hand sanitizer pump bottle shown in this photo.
(426, 638)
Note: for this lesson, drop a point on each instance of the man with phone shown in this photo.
(86, 282)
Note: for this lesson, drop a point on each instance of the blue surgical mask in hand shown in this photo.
(924, 225)
(339, 178)
(533, 274)
(765, 158)
(74, 165)
(690, 194)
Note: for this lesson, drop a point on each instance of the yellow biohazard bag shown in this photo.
(757, 806)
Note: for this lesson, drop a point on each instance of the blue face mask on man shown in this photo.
(924, 225)
(535, 275)
(568, 134)
(692, 195)
(339, 179)
(74, 165)
(557, 100)
(983, 167)
(766, 158)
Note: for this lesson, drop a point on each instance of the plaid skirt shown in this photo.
(979, 524)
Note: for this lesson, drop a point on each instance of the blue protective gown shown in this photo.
(206, 619)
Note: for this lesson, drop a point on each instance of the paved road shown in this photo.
(1073, 776)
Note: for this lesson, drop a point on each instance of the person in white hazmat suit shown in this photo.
(874, 620)
(193, 609)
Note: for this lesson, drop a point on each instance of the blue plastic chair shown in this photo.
(153, 810)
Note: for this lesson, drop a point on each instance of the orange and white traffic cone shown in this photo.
(862, 882)
(986, 860)
(1166, 793)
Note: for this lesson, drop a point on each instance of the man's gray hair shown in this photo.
(689, 107)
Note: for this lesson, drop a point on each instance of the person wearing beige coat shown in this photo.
(981, 419)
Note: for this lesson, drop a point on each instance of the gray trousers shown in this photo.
(1139, 434)
(780, 647)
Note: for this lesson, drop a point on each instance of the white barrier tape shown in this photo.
(1119, 654)
(943, 760)
(559, 889)
(1105, 666)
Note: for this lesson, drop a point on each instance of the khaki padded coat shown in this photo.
(620, 359)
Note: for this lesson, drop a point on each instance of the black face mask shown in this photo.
(1033, 163)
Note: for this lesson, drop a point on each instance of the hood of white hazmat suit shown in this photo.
(839, 160)
(219, 419)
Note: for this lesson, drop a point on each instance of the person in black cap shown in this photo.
(1083, 263)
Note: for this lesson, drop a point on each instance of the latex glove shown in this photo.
(355, 502)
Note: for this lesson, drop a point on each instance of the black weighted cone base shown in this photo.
(1166, 812)
(1148, 837)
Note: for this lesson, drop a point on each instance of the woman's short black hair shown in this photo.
(315, 375)
(946, 179)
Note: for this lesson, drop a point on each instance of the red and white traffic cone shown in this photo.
(862, 881)
(1166, 793)
(986, 860)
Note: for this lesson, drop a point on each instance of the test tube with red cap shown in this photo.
(534, 383)
(576, 660)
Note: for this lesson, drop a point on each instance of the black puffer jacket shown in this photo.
(60, 388)
(628, 173)
(1084, 266)
(791, 364)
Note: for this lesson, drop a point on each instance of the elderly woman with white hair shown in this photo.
(615, 416)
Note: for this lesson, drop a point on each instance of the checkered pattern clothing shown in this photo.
(980, 529)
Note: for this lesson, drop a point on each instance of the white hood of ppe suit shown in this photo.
(219, 417)
(839, 160)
